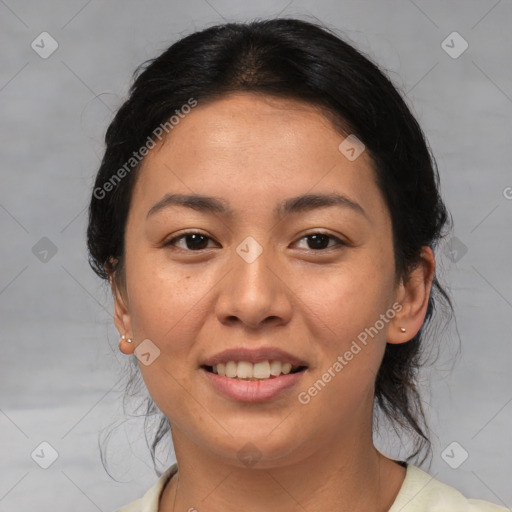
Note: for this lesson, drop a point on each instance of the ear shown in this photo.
(413, 295)
(122, 318)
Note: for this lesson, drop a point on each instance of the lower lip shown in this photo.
(252, 390)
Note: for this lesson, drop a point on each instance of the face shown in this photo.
(256, 270)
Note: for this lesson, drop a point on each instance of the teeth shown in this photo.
(261, 370)
(244, 370)
(231, 368)
(275, 368)
(286, 368)
(247, 370)
(220, 369)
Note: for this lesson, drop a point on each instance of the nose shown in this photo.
(254, 294)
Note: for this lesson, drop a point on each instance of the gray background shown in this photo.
(59, 364)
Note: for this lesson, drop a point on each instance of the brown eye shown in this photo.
(194, 241)
(320, 241)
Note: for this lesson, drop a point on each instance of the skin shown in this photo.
(254, 151)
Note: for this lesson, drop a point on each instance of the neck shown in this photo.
(344, 475)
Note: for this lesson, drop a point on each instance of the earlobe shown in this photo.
(122, 318)
(413, 295)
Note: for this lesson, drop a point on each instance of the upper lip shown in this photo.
(254, 355)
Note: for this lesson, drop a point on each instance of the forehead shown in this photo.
(247, 146)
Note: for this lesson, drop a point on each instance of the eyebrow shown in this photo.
(302, 203)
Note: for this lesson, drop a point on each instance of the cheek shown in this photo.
(347, 327)
(166, 307)
(165, 303)
(348, 299)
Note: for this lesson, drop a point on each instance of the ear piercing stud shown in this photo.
(402, 329)
(123, 347)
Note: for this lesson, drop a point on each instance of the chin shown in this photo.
(261, 445)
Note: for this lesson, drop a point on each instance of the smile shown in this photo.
(248, 388)
(253, 371)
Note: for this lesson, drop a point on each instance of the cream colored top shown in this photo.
(419, 493)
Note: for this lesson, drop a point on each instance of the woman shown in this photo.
(239, 150)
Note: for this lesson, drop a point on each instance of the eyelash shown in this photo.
(339, 242)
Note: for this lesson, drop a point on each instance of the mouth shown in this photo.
(242, 381)
(258, 374)
(247, 371)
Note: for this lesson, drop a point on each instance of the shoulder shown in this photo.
(420, 492)
(149, 502)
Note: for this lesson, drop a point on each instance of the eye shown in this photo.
(318, 241)
(194, 240)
